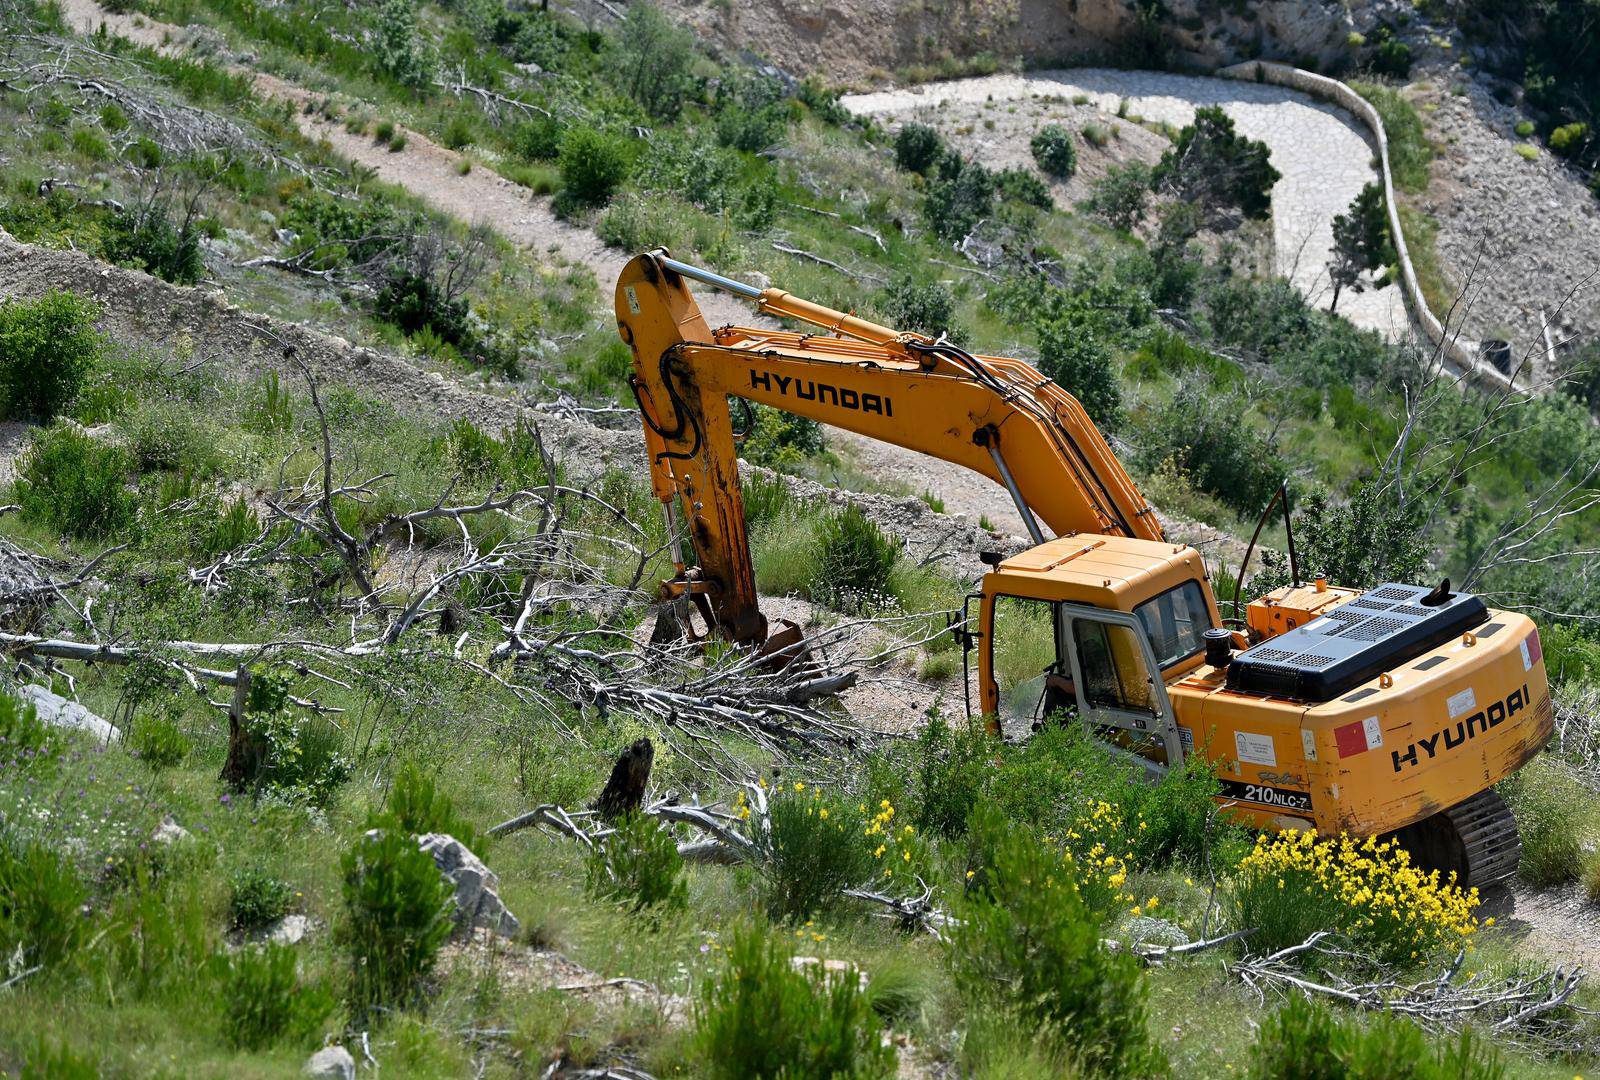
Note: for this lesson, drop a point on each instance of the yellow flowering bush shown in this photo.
(1295, 883)
(1098, 852)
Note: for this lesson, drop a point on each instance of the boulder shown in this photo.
(332, 1062)
(478, 900)
(57, 711)
(169, 832)
(1144, 930)
(289, 930)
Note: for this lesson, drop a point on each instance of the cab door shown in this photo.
(1118, 686)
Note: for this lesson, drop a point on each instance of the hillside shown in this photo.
(341, 732)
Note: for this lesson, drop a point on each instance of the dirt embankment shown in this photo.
(863, 42)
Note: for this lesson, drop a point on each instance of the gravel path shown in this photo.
(1321, 150)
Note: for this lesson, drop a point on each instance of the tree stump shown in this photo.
(247, 749)
(624, 792)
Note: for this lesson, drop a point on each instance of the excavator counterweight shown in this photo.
(1391, 711)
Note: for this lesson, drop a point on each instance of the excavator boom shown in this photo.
(995, 416)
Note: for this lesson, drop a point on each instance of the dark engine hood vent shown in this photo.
(1376, 632)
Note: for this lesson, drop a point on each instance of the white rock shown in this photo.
(478, 900)
(57, 711)
(289, 930)
(333, 1062)
(169, 832)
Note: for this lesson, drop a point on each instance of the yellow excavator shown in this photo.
(1390, 711)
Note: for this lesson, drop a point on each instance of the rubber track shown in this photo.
(1488, 836)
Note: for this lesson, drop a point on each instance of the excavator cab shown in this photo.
(1093, 627)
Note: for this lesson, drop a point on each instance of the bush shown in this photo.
(23, 736)
(1028, 947)
(399, 47)
(917, 148)
(763, 1018)
(924, 309)
(1211, 166)
(1024, 187)
(1118, 198)
(593, 164)
(41, 903)
(1305, 1040)
(1361, 544)
(1203, 433)
(652, 60)
(75, 484)
(638, 865)
(538, 139)
(1294, 883)
(1541, 797)
(1392, 57)
(1072, 354)
(1569, 140)
(58, 1061)
(962, 194)
(159, 742)
(264, 1000)
(257, 899)
(397, 914)
(952, 767)
(779, 439)
(48, 348)
(814, 851)
(146, 239)
(415, 303)
(416, 806)
(1053, 151)
(303, 755)
(855, 560)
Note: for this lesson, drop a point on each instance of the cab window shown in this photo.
(1175, 622)
(1112, 662)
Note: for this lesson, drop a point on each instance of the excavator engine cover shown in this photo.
(1376, 632)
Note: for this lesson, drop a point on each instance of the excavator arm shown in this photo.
(996, 416)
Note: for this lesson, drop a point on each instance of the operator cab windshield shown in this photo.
(1036, 677)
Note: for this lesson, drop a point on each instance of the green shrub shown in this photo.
(304, 757)
(1305, 1040)
(593, 165)
(76, 484)
(763, 1019)
(48, 348)
(1072, 354)
(257, 898)
(766, 498)
(264, 1001)
(1053, 151)
(538, 139)
(638, 865)
(924, 309)
(458, 133)
(952, 767)
(23, 736)
(962, 194)
(855, 560)
(1095, 135)
(1542, 796)
(779, 439)
(399, 48)
(158, 741)
(1024, 187)
(1201, 431)
(1392, 56)
(813, 852)
(1360, 544)
(397, 914)
(1524, 128)
(398, 142)
(1211, 166)
(1027, 946)
(417, 806)
(652, 60)
(41, 903)
(90, 144)
(1569, 140)
(173, 437)
(145, 238)
(1410, 152)
(231, 529)
(1118, 198)
(383, 131)
(917, 147)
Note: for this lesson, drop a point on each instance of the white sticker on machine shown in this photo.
(1374, 732)
(1462, 702)
(1256, 749)
(1527, 657)
(633, 299)
(1308, 742)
